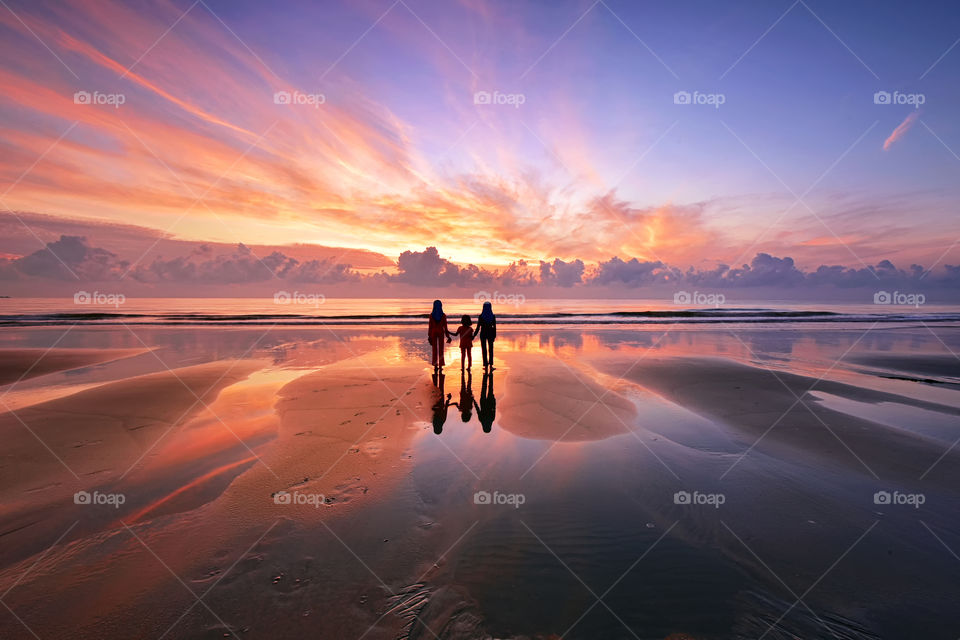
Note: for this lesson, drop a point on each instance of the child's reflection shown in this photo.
(487, 409)
(441, 405)
(466, 396)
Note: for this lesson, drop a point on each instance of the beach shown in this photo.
(473, 320)
(718, 480)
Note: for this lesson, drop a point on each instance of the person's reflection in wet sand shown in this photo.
(487, 409)
(467, 402)
(441, 405)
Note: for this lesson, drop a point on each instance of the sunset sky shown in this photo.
(384, 148)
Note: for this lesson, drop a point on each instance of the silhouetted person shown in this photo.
(467, 402)
(465, 331)
(487, 330)
(436, 331)
(487, 409)
(441, 405)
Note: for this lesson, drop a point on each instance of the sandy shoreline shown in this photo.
(382, 536)
(768, 404)
(23, 364)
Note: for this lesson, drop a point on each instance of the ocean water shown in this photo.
(308, 309)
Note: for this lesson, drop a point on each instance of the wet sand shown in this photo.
(548, 399)
(759, 403)
(24, 364)
(299, 488)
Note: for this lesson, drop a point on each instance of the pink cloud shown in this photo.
(901, 130)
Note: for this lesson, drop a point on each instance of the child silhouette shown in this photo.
(465, 331)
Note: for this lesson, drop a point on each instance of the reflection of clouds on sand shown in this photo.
(561, 339)
(102, 432)
(416, 348)
(934, 367)
(19, 365)
(812, 349)
(750, 398)
(547, 400)
(324, 349)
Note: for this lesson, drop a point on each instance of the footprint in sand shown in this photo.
(210, 575)
(372, 448)
(299, 483)
(345, 492)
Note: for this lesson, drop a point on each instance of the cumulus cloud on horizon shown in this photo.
(73, 258)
